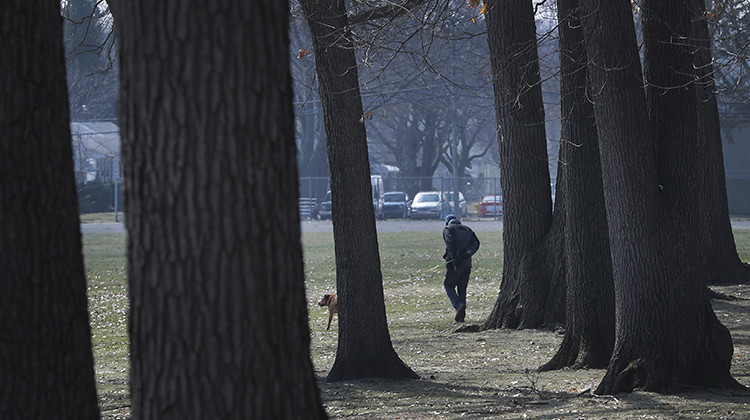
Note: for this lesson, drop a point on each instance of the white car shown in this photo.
(427, 204)
(435, 205)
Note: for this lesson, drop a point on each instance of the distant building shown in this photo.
(96, 150)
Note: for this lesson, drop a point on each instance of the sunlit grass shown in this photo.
(742, 239)
(417, 308)
(104, 255)
(107, 217)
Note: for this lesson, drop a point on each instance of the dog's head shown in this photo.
(325, 300)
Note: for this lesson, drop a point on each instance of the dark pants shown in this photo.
(456, 281)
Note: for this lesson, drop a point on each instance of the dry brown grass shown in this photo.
(465, 375)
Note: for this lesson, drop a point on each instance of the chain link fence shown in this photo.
(314, 189)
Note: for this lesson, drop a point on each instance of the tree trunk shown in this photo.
(219, 326)
(364, 345)
(724, 265)
(666, 333)
(589, 325)
(47, 364)
(530, 292)
(674, 115)
(432, 150)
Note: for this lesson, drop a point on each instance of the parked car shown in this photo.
(427, 204)
(491, 205)
(462, 208)
(376, 184)
(324, 211)
(396, 204)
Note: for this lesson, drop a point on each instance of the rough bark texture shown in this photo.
(218, 320)
(589, 325)
(46, 362)
(637, 224)
(673, 112)
(717, 239)
(532, 288)
(364, 345)
(665, 332)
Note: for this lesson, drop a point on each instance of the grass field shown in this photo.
(476, 375)
(101, 217)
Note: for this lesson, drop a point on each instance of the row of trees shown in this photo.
(413, 70)
(206, 113)
(424, 82)
(640, 216)
(624, 259)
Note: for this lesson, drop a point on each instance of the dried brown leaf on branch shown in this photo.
(366, 116)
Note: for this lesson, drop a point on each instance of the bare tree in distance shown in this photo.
(406, 69)
(89, 42)
(726, 25)
(310, 129)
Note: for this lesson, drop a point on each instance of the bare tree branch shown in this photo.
(388, 11)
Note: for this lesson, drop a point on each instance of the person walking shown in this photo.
(460, 244)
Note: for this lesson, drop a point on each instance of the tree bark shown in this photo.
(589, 321)
(671, 99)
(666, 333)
(364, 344)
(637, 224)
(724, 264)
(47, 366)
(219, 326)
(532, 288)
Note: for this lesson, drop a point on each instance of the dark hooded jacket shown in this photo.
(460, 244)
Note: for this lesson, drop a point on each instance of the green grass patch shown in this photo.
(104, 256)
(742, 239)
(413, 270)
(108, 217)
(420, 322)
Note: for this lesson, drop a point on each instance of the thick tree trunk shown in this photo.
(219, 327)
(724, 265)
(47, 368)
(364, 345)
(666, 333)
(637, 224)
(533, 273)
(312, 147)
(589, 325)
(673, 112)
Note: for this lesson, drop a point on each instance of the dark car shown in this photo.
(396, 204)
(324, 211)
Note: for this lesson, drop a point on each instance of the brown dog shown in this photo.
(333, 306)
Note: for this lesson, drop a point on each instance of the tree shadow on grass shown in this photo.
(427, 398)
(378, 398)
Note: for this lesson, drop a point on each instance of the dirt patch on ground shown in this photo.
(492, 374)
